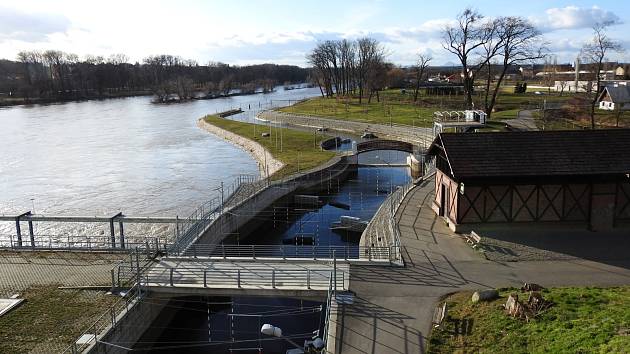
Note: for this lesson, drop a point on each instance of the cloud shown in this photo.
(573, 17)
(29, 26)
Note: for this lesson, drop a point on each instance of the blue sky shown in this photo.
(244, 32)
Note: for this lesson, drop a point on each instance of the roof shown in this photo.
(537, 153)
(618, 94)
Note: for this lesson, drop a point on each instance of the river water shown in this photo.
(129, 155)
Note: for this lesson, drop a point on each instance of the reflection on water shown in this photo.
(101, 157)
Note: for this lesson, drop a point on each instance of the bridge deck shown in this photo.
(260, 277)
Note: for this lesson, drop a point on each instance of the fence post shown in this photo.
(238, 278)
(335, 271)
(273, 278)
(205, 283)
(171, 277)
(113, 279)
(308, 278)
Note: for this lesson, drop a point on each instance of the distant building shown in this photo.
(578, 177)
(615, 96)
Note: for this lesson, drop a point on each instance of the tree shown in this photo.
(421, 65)
(514, 40)
(595, 52)
(463, 39)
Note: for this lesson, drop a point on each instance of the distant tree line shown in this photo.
(56, 75)
(343, 67)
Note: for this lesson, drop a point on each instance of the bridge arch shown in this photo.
(383, 144)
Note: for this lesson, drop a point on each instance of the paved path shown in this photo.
(394, 306)
(524, 122)
(260, 277)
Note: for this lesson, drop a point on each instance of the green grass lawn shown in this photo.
(50, 319)
(299, 149)
(398, 107)
(582, 320)
(382, 112)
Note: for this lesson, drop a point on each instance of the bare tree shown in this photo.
(516, 41)
(562, 85)
(595, 52)
(421, 65)
(463, 39)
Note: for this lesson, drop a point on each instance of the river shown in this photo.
(128, 154)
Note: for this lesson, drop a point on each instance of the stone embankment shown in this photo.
(415, 135)
(256, 150)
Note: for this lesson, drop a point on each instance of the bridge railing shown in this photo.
(244, 278)
(315, 252)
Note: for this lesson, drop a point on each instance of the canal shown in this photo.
(224, 325)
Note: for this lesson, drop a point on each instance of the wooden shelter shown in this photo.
(544, 176)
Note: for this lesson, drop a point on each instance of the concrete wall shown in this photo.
(131, 325)
(241, 217)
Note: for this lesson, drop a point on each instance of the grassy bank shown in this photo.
(50, 319)
(582, 320)
(398, 107)
(299, 150)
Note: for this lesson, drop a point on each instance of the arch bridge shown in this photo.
(383, 144)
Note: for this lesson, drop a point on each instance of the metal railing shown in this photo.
(242, 190)
(314, 252)
(329, 302)
(89, 243)
(243, 187)
(105, 321)
(244, 278)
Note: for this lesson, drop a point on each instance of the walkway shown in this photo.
(253, 278)
(393, 306)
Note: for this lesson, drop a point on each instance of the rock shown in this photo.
(531, 287)
(485, 295)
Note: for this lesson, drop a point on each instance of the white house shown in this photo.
(615, 97)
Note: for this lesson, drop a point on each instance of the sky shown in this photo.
(243, 32)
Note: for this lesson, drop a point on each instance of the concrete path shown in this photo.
(524, 122)
(394, 306)
(260, 278)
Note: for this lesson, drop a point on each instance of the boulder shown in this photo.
(485, 295)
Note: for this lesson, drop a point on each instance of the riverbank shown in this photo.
(10, 102)
(258, 152)
(280, 152)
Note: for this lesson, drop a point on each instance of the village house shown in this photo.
(615, 97)
(578, 177)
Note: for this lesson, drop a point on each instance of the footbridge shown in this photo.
(303, 279)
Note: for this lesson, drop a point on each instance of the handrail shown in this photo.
(345, 252)
(244, 278)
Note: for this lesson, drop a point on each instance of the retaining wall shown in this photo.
(130, 326)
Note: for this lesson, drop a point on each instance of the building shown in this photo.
(578, 177)
(615, 97)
